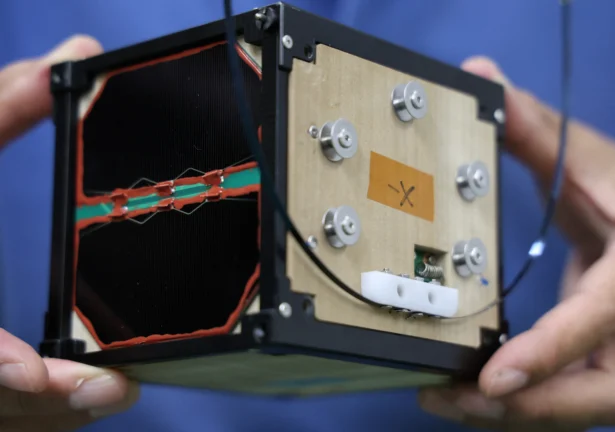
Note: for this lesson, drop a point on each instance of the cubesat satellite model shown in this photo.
(171, 264)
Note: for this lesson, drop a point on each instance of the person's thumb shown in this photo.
(25, 98)
(569, 332)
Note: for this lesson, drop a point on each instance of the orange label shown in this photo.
(401, 187)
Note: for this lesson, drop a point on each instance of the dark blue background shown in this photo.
(522, 35)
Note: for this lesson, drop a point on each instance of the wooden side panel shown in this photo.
(340, 85)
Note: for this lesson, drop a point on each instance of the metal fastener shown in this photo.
(499, 115)
(338, 140)
(287, 41)
(312, 242)
(313, 131)
(409, 101)
(258, 334)
(285, 310)
(503, 338)
(341, 226)
(473, 180)
(264, 18)
(470, 257)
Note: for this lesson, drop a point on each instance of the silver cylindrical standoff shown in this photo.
(409, 101)
(473, 180)
(339, 140)
(470, 257)
(342, 226)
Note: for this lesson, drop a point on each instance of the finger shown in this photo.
(578, 400)
(21, 368)
(567, 333)
(72, 387)
(533, 132)
(25, 98)
(576, 266)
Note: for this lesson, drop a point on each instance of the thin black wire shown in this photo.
(266, 180)
(269, 186)
(538, 246)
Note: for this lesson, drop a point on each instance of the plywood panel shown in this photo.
(340, 85)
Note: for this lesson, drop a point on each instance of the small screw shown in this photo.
(56, 78)
(503, 339)
(349, 226)
(386, 270)
(285, 310)
(417, 100)
(405, 275)
(312, 242)
(476, 256)
(499, 116)
(344, 139)
(260, 18)
(479, 179)
(287, 41)
(313, 131)
(258, 334)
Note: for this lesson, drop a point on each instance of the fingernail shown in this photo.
(75, 48)
(93, 392)
(435, 404)
(506, 381)
(477, 405)
(15, 376)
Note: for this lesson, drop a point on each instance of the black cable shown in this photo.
(268, 185)
(538, 246)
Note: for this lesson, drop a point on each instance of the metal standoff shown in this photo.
(409, 101)
(339, 140)
(473, 180)
(342, 226)
(470, 257)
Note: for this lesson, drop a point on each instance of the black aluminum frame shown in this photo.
(268, 330)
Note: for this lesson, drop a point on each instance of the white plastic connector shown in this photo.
(405, 293)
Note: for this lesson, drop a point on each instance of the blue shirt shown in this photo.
(522, 35)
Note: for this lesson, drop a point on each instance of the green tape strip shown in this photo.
(232, 181)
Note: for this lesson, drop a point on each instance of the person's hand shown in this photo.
(560, 374)
(48, 394)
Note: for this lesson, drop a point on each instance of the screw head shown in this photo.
(503, 339)
(386, 270)
(499, 115)
(55, 78)
(344, 139)
(313, 131)
(349, 226)
(285, 310)
(405, 275)
(287, 41)
(258, 334)
(312, 242)
(476, 256)
(417, 100)
(260, 19)
(480, 179)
